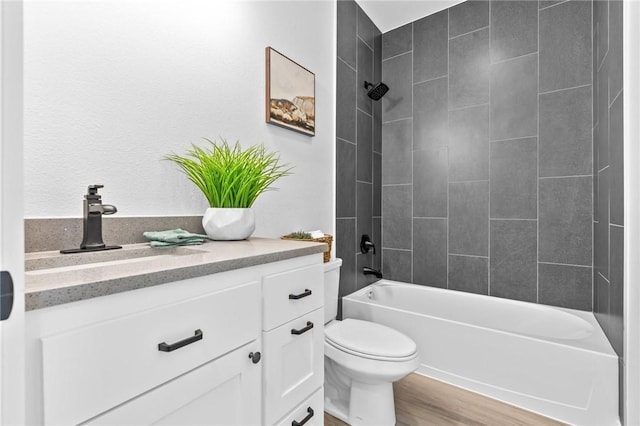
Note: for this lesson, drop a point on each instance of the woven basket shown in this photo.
(326, 239)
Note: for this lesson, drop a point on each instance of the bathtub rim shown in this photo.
(598, 337)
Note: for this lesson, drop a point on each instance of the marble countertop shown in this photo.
(49, 286)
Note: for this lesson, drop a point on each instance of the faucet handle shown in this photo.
(93, 189)
(366, 244)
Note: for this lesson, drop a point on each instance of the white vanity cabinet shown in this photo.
(187, 352)
(293, 342)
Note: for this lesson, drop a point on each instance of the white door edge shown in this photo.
(12, 370)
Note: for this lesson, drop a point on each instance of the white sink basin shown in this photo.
(55, 260)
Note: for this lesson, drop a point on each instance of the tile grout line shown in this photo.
(581, 86)
(467, 107)
(371, 161)
(468, 181)
(346, 63)
(565, 264)
(448, 124)
(549, 7)
(514, 139)
(511, 219)
(381, 242)
(602, 276)
(345, 140)
(358, 109)
(608, 107)
(565, 177)
(412, 144)
(616, 97)
(355, 243)
(515, 57)
(429, 79)
(364, 41)
(468, 255)
(489, 167)
(429, 217)
(396, 120)
(470, 32)
(538, 169)
(396, 184)
(395, 56)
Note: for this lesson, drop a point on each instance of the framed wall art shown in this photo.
(290, 94)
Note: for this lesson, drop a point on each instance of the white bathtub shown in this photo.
(553, 361)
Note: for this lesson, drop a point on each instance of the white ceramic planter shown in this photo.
(227, 224)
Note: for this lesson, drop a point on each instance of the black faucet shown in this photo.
(370, 271)
(366, 244)
(92, 223)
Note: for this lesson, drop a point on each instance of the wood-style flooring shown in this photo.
(422, 401)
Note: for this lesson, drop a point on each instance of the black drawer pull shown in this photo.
(306, 293)
(306, 419)
(168, 348)
(303, 330)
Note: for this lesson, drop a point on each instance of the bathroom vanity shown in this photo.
(238, 341)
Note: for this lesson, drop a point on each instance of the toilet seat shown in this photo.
(369, 340)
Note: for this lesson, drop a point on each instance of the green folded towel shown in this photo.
(173, 237)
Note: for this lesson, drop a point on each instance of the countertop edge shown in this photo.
(39, 299)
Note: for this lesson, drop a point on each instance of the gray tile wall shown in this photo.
(502, 171)
(487, 169)
(608, 224)
(359, 144)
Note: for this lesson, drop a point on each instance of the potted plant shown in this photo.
(306, 236)
(231, 179)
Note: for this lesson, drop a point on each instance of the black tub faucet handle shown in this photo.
(366, 244)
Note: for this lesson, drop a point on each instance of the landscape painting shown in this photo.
(290, 94)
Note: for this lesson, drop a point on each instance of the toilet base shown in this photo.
(372, 404)
(360, 404)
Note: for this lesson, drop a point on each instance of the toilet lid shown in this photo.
(370, 339)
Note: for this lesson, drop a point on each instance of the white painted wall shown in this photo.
(111, 86)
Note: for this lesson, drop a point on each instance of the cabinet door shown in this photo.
(293, 364)
(225, 392)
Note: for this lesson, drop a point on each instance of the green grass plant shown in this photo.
(228, 176)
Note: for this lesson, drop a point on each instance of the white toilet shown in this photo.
(361, 361)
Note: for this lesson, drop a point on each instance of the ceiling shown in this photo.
(390, 14)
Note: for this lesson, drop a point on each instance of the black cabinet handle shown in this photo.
(163, 347)
(306, 419)
(306, 293)
(303, 330)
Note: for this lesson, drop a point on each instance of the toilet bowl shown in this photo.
(362, 360)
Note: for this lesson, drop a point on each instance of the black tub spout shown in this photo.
(370, 271)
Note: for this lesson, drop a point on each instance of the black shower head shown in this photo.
(377, 90)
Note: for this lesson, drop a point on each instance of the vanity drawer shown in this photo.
(291, 294)
(293, 367)
(91, 369)
(312, 407)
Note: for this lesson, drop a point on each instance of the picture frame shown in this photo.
(290, 94)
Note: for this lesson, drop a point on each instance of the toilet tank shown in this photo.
(331, 287)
